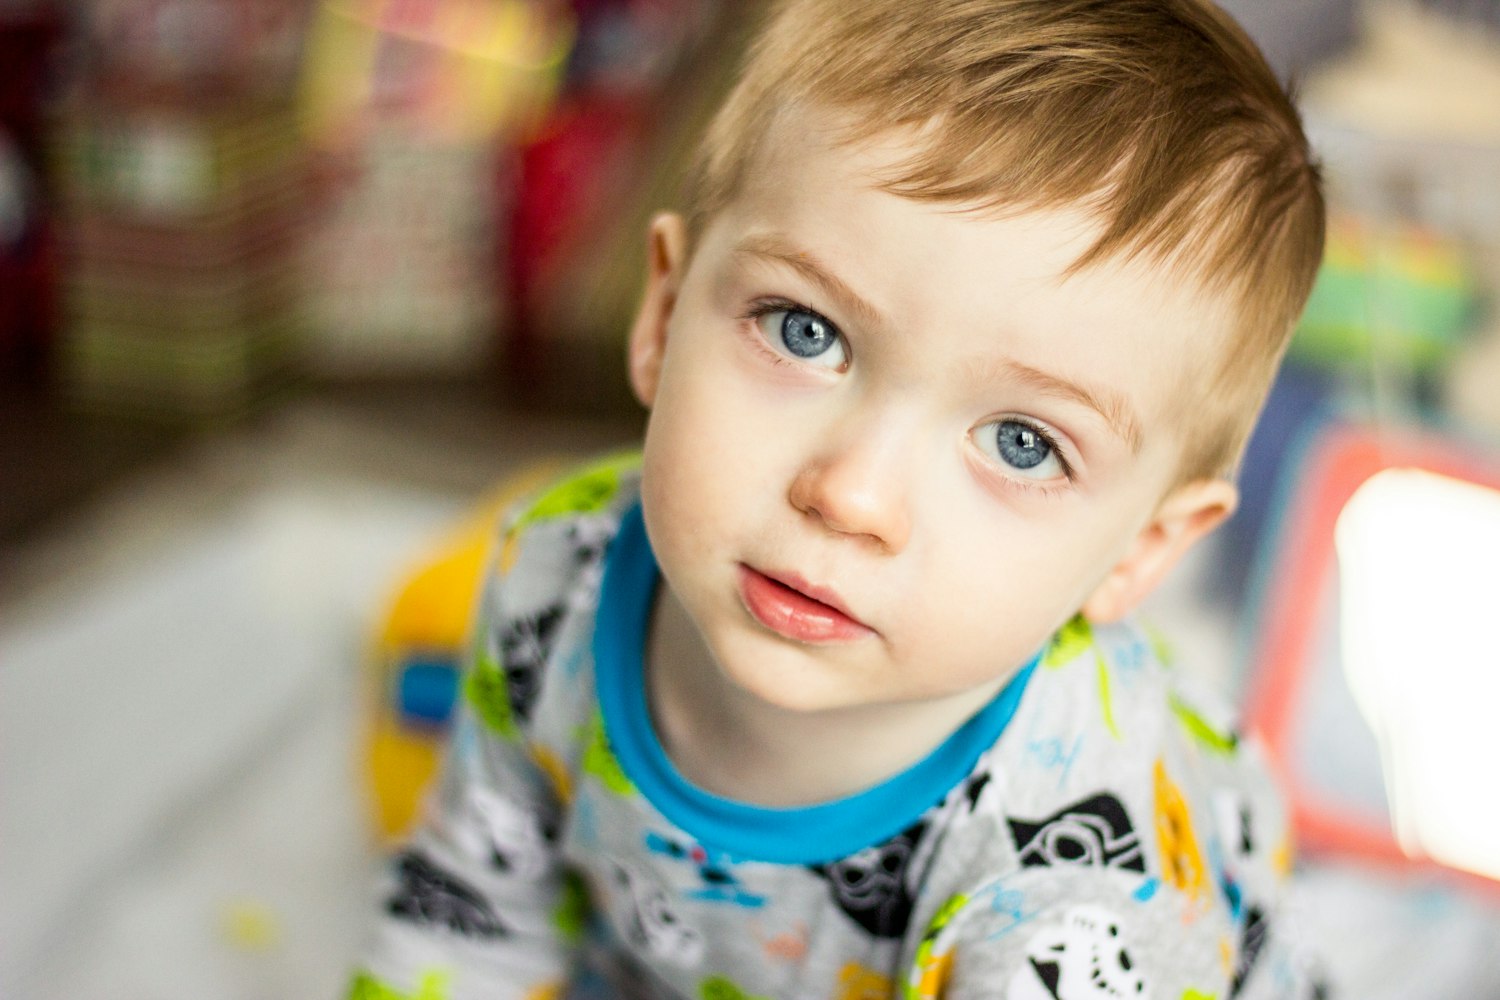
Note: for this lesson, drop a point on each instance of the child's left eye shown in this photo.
(1022, 447)
(803, 335)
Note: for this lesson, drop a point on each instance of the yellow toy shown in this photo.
(416, 657)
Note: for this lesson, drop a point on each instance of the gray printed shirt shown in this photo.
(1095, 832)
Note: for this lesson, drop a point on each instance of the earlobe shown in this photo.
(666, 242)
(1187, 515)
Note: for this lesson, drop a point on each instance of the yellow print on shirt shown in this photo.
(929, 979)
(1181, 860)
(858, 982)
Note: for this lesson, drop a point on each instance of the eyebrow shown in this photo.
(1110, 405)
(767, 246)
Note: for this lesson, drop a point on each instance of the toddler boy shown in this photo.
(827, 695)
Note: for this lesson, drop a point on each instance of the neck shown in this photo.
(731, 743)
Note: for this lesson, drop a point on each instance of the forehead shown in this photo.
(1008, 272)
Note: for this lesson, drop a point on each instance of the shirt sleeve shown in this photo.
(478, 903)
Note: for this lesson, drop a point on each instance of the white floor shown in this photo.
(182, 813)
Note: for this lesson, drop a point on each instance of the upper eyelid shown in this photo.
(1052, 437)
(776, 303)
(771, 304)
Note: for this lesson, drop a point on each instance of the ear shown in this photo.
(666, 243)
(1187, 514)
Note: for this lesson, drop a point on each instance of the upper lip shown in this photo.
(823, 595)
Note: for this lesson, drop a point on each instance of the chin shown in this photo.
(776, 678)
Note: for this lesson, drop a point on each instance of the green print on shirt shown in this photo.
(1069, 643)
(586, 493)
(572, 914)
(434, 986)
(485, 689)
(928, 970)
(722, 988)
(1072, 641)
(599, 760)
(1198, 728)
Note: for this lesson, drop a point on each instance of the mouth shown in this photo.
(797, 610)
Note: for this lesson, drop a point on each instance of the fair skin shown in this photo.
(892, 448)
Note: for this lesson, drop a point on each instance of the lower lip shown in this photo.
(793, 614)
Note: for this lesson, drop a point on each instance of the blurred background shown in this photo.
(293, 293)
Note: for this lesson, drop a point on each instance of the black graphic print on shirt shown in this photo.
(1092, 831)
(652, 920)
(525, 644)
(873, 886)
(589, 539)
(429, 895)
(1252, 940)
(1082, 957)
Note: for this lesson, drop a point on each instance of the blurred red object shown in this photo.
(575, 195)
(29, 40)
(566, 177)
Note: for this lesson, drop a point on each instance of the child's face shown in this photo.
(910, 417)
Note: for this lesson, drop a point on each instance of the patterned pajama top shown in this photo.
(1094, 832)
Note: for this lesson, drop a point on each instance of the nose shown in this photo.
(858, 489)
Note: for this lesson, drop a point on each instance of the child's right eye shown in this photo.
(803, 335)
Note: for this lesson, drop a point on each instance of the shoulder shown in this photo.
(1149, 759)
(1122, 711)
(566, 523)
(542, 585)
(1136, 839)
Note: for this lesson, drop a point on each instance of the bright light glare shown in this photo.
(1419, 562)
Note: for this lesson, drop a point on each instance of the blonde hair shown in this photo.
(1160, 115)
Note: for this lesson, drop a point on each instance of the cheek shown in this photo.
(698, 451)
(1002, 590)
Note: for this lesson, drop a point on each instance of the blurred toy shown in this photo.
(417, 656)
(1403, 298)
(407, 106)
(198, 51)
(180, 200)
(461, 69)
(179, 298)
(1367, 683)
(641, 81)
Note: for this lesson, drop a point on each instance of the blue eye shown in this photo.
(1022, 447)
(805, 336)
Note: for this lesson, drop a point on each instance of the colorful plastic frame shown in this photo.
(1292, 599)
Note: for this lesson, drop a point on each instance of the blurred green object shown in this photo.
(1404, 295)
(180, 225)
